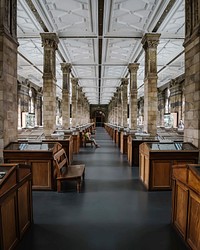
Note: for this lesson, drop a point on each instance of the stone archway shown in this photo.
(99, 118)
(99, 114)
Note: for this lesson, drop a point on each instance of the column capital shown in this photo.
(66, 67)
(150, 40)
(118, 89)
(50, 40)
(124, 81)
(79, 88)
(74, 80)
(133, 67)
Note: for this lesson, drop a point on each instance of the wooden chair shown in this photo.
(66, 172)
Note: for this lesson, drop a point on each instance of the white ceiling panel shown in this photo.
(100, 41)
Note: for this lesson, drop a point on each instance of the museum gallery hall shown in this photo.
(99, 124)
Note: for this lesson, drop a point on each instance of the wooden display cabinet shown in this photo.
(76, 142)
(67, 144)
(156, 160)
(40, 156)
(15, 204)
(123, 142)
(118, 136)
(186, 203)
(133, 147)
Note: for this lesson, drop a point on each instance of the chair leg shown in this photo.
(78, 185)
(58, 186)
(83, 177)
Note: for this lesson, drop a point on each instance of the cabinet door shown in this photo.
(24, 207)
(41, 174)
(9, 230)
(180, 207)
(161, 174)
(193, 229)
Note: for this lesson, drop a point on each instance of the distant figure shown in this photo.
(181, 124)
(88, 137)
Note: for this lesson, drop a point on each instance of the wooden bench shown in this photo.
(66, 172)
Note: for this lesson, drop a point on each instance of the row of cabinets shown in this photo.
(167, 166)
(15, 204)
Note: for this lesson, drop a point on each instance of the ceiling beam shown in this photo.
(100, 34)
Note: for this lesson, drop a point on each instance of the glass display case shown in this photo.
(37, 154)
(66, 142)
(30, 146)
(134, 142)
(156, 161)
(171, 146)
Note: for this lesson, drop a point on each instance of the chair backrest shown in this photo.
(61, 162)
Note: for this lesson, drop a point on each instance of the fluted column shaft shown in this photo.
(133, 68)
(66, 70)
(74, 101)
(50, 44)
(124, 102)
(150, 42)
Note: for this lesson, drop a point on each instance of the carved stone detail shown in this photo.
(66, 69)
(50, 44)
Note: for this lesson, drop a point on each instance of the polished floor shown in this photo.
(113, 211)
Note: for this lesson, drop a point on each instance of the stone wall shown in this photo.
(8, 92)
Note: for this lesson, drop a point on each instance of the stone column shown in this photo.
(79, 105)
(161, 107)
(8, 74)
(110, 112)
(176, 99)
(74, 101)
(119, 106)
(39, 106)
(50, 44)
(192, 73)
(88, 110)
(141, 112)
(115, 109)
(150, 42)
(84, 117)
(133, 68)
(66, 70)
(124, 85)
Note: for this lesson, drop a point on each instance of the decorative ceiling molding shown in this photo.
(99, 39)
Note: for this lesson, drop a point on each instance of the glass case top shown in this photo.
(172, 146)
(4, 171)
(30, 146)
(148, 138)
(2, 174)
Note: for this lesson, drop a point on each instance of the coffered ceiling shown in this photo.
(99, 39)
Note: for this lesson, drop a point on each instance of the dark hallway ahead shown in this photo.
(113, 212)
